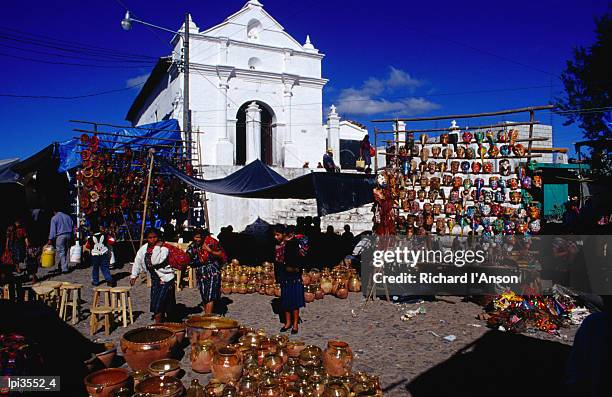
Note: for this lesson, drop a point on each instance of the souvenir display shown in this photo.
(486, 191)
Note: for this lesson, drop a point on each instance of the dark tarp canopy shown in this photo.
(7, 175)
(334, 192)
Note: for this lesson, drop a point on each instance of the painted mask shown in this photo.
(467, 137)
(441, 166)
(502, 136)
(424, 154)
(476, 166)
(518, 150)
(479, 136)
(513, 136)
(381, 180)
(437, 209)
(419, 220)
(414, 151)
(515, 197)
(411, 194)
(534, 212)
(460, 152)
(504, 150)
(500, 197)
(444, 139)
(465, 167)
(435, 151)
(470, 153)
(482, 151)
(427, 208)
(414, 207)
(449, 209)
(421, 195)
(526, 182)
(424, 182)
(495, 209)
(534, 226)
(434, 182)
(493, 151)
(455, 166)
(493, 182)
(487, 167)
(498, 226)
(504, 168)
(455, 196)
(485, 209)
(422, 166)
(431, 167)
(537, 181)
(457, 181)
(447, 180)
(447, 153)
(522, 228)
(467, 183)
(513, 183)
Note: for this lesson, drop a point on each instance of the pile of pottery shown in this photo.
(258, 365)
(237, 279)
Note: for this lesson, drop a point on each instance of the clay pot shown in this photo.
(338, 358)
(315, 275)
(310, 356)
(273, 363)
(161, 386)
(105, 382)
(242, 289)
(214, 388)
(335, 389)
(277, 290)
(294, 347)
(235, 287)
(202, 354)
(342, 291)
(248, 386)
(319, 293)
(178, 329)
(142, 346)
(165, 367)
(309, 296)
(244, 277)
(270, 289)
(318, 383)
(306, 278)
(354, 284)
(220, 330)
(326, 285)
(226, 288)
(140, 375)
(108, 354)
(270, 389)
(251, 339)
(261, 289)
(227, 365)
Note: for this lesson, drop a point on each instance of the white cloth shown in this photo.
(159, 255)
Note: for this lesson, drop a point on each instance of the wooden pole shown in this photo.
(531, 120)
(376, 150)
(146, 202)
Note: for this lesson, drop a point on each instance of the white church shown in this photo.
(255, 93)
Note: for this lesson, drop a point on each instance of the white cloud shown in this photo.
(369, 98)
(136, 80)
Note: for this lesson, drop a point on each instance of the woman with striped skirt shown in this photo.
(288, 263)
(207, 257)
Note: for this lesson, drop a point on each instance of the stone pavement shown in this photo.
(385, 345)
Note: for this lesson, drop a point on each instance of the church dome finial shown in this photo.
(255, 3)
(308, 45)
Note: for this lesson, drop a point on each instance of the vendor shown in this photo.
(288, 263)
(207, 257)
(153, 257)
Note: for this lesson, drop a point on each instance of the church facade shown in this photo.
(255, 93)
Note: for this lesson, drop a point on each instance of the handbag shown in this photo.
(360, 163)
(372, 151)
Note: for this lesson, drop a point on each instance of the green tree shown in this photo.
(587, 79)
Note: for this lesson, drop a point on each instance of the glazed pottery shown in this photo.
(273, 362)
(161, 386)
(248, 386)
(220, 330)
(342, 291)
(140, 375)
(270, 389)
(326, 285)
(318, 383)
(294, 347)
(105, 382)
(142, 346)
(165, 367)
(354, 284)
(196, 389)
(335, 389)
(202, 353)
(310, 356)
(338, 358)
(309, 294)
(227, 365)
(109, 353)
(177, 328)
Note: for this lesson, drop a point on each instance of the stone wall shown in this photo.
(240, 212)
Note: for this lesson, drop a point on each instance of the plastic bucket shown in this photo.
(48, 257)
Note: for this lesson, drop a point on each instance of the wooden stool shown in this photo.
(101, 293)
(121, 303)
(5, 292)
(54, 298)
(177, 279)
(191, 279)
(42, 292)
(70, 296)
(106, 312)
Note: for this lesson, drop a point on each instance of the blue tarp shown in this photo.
(69, 151)
(334, 192)
(7, 175)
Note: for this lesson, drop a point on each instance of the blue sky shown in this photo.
(383, 58)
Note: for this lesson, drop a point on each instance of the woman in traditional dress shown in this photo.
(207, 257)
(289, 262)
(365, 151)
(153, 257)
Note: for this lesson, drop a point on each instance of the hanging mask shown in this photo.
(479, 136)
(447, 180)
(486, 196)
(437, 209)
(431, 167)
(482, 151)
(534, 226)
(504, 150)
(435, 151)
(457, 181)
(515, 197)
(476, 166)
(444, 139)
(498, 226)
(490, 137)
(424, 139)
(449, 209)
(465, 167)
(522, 228)
(411, 194)
(470, 153)
(424, 154)
(447, 153)
(419, 220)
(500, 197)
(429, 220)
(455, 166)
(504, 168)
(414, 151)
(485, 209)
(518, 150)
(520, 171)
(467, 137)
(521, 213)
(502, 136)
(410, 220)
(414, 207)
(488, 167)
(406, 205)
(513, 136)
(513, 183)
(467, 183)
(441, 166)
(381, 180)
(421, 195)
(424, 182)
(434, 182)
(509, 227)
(493, 182)
(460, 152)
(495, 210)
(493, 151)
(427, 208)
(470, 211)
(413, 166)
(537, 181)
(534, 212)
(422, 166)
(526, 182)
(455, 196)
(440, 227)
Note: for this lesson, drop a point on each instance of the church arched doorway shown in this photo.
(267, 121)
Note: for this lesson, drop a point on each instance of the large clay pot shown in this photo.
(248, 386)
(105, 382)
(294, 347)
(202, 354)
(315, 275)
(277, 290)
(177, 328)
(142, 346)
(319, 293)
(306, 278)
(165, 367)
(338, 358)
(158, 386)
(221, 330)
(342, 291)
(326, 285)
(354, 284)
(227, 365)
(108, 354)
(310, 356)
(309, 295)
(335, 389)
(270, 389)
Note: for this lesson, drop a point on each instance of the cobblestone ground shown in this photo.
(396, 350)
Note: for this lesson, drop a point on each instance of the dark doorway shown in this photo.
(266, 134)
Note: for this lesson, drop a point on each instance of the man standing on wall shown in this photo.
(61, 231)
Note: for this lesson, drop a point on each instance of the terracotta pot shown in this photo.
(315, 275)
(294, 347)
(250, 339)
(165, 367)
(244, 277)
(309, 297)
(108, 354)
(319, 293)
(262, 289)
(221, 330)
(270, 289)
(227, 365)
(248, 386)
(335, 389)
(235, 287)
(202, 353)
(177, 328)
(310, 356)
(142, 346)
(270, 389)
(105, 382)
(306, 278)
(338, 358)
(326, 285)
(318, 383)
(242, 289)
(274, 363)
(354, 284)
(214, 388)
(158, 386)
(277, 290)
(341, 291)
(226, 288)
(140, 375)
